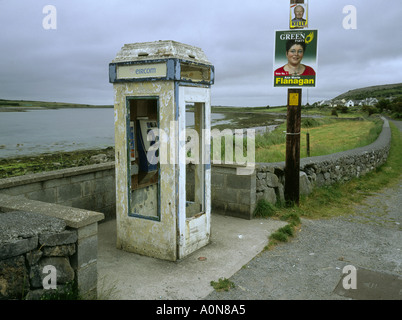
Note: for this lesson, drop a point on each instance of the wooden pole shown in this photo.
(308, 143)
(292, 166)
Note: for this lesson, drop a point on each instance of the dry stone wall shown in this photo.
(28, 243)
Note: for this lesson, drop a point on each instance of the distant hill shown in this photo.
(23, 104)
(379, 92)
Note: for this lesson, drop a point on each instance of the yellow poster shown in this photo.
(298, 14)
(293, 99)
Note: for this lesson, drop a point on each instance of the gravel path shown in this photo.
(311, 265)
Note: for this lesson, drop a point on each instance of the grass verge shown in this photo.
(338, 199)
(222, 284)
(327, 136)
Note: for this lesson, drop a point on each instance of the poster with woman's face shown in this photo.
(295, 58)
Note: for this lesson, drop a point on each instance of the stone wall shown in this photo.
(231, 194)
(35, 234)
(28, 243)
(89, 187)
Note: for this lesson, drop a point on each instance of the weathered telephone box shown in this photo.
(153, 84)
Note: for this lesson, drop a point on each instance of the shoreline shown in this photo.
(27, 108)
(29, 164)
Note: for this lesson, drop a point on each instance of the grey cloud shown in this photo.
(71, 63)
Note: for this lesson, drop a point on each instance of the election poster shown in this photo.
(295, 58)
(298, 14)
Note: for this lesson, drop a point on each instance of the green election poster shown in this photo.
(295, 58)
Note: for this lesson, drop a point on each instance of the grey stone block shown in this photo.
(88, 187)
(87, 231)
(64, 271)
(45, 195)
(272, 180)
(69, 191)
(59, 251)
(280, 193)
(261, 185)
(13, 278)
(110, 197)
(245, 197)
(25, 188)
(56, 183)
(19, 224)
(100, 174)
(320, 181)
(35, 294)
(86, 203)
(227, 195)
(217, 180)
(106, 184)
(60, 238)
(238, 182)
(82, 177)
(305, 187)
(218, 206)
(86, 252)
(33, 257)
(87, 278)
(239, 210)
(268, 195)
(17, 247)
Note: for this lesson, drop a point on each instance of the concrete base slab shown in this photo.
(128, 276)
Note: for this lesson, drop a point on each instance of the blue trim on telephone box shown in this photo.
(173, 67)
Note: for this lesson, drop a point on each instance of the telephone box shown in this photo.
(162, 143)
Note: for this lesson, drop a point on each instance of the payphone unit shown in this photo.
(147, 134)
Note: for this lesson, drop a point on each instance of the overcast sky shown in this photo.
(70, 63)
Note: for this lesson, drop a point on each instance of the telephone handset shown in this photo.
(146, 126)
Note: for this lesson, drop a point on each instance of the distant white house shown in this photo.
(324, 103)
(368, 102)
(349, 103)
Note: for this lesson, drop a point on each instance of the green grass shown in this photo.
(327, 136)
(69, 291)
(222, 284)
(264, 209)
(336, 199)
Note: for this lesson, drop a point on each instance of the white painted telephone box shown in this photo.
(162, 142)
